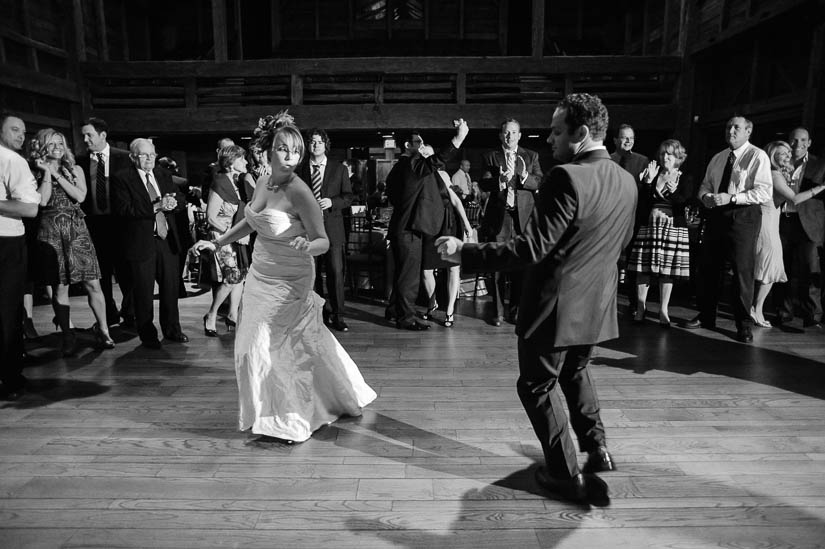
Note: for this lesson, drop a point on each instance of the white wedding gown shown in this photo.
(293, 375)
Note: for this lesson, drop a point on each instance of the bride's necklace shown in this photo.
(272, 185)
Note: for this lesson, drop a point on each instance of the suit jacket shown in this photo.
(118, 160)
(130, 202)
(337, 187)
(635, 163)
(414, 191)
(494, 161)
(582, 220)
(812, 212)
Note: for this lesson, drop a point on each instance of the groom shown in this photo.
(582, 219)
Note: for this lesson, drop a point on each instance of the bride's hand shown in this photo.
(300, 243)
(201, 245)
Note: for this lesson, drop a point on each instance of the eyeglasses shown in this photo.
(147, 156)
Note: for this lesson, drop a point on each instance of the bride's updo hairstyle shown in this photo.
(279, 128)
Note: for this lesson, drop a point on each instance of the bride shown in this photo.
(293, 375)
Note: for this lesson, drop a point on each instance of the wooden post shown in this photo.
(297, 89)
(461, 88)
(190, 93)
(461, 19)
(316, 13)
(275, 24)
(665, 27)
(239, 29)
(628, 32)
(645, 26)
(31, 52)
(538, 28)
(426, 8)
(388, 16)
(814, 95)
(102, 40)
(379, 90)
(124, 31)
(503, 18)
(219, 30)
(79, 31)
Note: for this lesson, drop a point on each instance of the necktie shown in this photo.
(100, 183)
(316, 181)
(160, 220)
(511, 168)
(726, 173)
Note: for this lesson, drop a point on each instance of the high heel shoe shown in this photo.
(664, 320)
(103, 340)
(28, 329)
(640, 315)
(57, 324)
(208, 332)
(230, 324)
(449, 320)
(429, 312)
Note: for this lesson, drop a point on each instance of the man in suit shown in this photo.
(99, 163)
(802, 229)
(413, 191)
(514, 176)
(582, 220)
(331, 186)
(624, 156)
(145, 199)
(737, 180)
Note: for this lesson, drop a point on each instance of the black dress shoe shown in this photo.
(599, 461)
(744, 334)
(389, 316)
(697, 322)
(338, 324)
(497, 321)
(151, 343)
(578, 489)
(178, 338)
(811, 323)
(413, 326)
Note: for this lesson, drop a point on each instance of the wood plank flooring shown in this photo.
(718, 444)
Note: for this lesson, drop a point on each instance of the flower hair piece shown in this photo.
(268, 125)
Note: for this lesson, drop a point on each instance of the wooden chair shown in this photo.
(366, 254)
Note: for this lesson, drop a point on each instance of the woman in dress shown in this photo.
(66, 254)
(769, 264)
(225, 208)
(293, 375)
(431, 259)
(661, 247)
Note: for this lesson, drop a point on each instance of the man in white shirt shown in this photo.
(737, 181)
(461, 182)
(18, 199)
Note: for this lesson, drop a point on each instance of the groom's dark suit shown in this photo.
(148, 256)
(582, 219)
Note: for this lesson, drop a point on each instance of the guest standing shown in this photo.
(66, 252)
(18, 199)
(661, 246)
(99, 163)
(227, 201)
(736, 183)
(146, 200)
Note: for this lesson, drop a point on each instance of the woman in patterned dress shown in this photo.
(66, 254)
(661, 247)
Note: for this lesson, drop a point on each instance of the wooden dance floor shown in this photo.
(717, 444)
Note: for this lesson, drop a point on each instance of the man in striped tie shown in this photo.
(331, 186)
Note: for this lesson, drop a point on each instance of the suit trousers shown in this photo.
(510, 227)
(161, 266)
(544, 372)
(104, 233)
(406, 250)
(730, 234)
(801, 260)
(12, 286)
(332, 262)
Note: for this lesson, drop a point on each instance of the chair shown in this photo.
(366, 254)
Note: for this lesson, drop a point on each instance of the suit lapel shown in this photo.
(325, 182)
